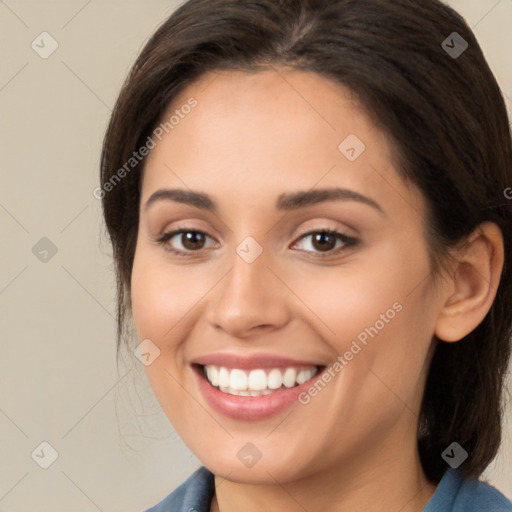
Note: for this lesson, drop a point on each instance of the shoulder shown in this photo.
(455, 494)
(195, 493)
(475, 495)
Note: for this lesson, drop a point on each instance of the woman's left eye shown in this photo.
(322, 241)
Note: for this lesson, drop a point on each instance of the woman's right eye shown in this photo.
(191, 241)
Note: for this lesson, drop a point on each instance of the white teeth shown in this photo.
(304, 375)
(274, 379)
(256, 382)
(213, 375)
(238, 380)
(223, 378)
(289, 377)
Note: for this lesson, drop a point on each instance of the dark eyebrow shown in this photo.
(196, 199)
(290, 201)
(297, 200)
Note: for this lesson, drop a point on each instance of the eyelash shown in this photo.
(347, 241)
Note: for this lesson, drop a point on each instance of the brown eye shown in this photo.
(325, 241)
(192, 240)
(184, 242)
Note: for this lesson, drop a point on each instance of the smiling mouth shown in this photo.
(256, 382)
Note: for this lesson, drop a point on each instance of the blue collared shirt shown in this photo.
(453, 494)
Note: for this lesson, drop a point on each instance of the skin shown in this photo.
(251, 138)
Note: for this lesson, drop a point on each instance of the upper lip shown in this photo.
(230, 360)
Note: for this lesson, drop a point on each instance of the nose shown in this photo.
(250, 299)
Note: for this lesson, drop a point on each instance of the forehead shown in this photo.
(265, 132)
(264, 113)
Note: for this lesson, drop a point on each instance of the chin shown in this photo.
(265, 471)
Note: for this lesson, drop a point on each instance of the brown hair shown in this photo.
(444, 114)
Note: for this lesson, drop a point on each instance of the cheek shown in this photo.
(344, 301)
(164, 296)
(377, 313)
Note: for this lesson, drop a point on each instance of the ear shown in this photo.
(471, 287)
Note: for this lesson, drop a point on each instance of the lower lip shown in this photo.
(249, 407)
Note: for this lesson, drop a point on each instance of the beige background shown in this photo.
(58, 379)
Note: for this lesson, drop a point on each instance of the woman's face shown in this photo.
(282, 156)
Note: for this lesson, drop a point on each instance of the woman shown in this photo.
(307, 210)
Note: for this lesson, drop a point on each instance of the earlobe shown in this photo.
(472, 286)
